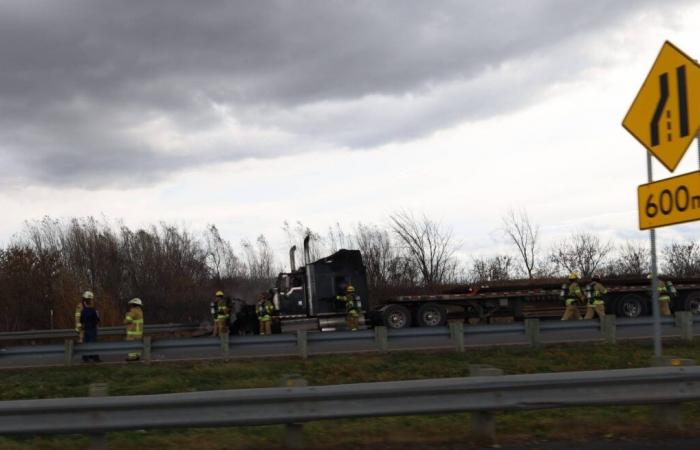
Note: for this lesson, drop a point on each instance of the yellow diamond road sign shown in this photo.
(665, 116)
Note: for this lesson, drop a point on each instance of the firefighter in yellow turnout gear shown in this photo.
(596, 301)
(134, 325)
(221, 314)
(572, 295)
(264, 309)
(664, 289)
(352, 309)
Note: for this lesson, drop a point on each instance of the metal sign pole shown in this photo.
(654, 275)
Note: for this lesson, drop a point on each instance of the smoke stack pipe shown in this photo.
(306, 249)
(292, 262)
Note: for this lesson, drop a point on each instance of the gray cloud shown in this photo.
(97, 94)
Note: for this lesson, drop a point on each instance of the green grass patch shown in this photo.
(390, 432)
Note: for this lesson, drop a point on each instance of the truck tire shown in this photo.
(692, 302)
(396, 316)
(631, 305)
(431, 315)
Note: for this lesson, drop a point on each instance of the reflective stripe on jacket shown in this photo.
(598, 292)
(265, 308)
(663, 291)
(134, 323)
(574, 293)
(350, 303)
(222, 312)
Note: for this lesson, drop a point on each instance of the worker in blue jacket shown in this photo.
(89, 319)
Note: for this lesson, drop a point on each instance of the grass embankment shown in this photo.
(395, 432)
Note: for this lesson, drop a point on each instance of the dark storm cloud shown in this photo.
(99, 93)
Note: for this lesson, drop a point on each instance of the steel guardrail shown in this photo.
(270, 406)
(67, 333)
(328, 342)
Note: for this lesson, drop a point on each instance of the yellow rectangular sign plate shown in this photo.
(670, 201)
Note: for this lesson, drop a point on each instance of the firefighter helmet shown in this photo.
(573, 276)
(219, 293)
(350, 289)
(88, 295)
(136, 301)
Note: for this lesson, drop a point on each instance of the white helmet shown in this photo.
(88, 295)
(136, 301)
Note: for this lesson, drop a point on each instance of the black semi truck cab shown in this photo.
(306, 297)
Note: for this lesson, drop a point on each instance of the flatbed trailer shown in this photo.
(306, 298)
(522, 299)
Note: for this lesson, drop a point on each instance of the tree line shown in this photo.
(44, 268)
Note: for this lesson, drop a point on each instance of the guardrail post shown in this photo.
(381, 338)
(99, 440)
(294, 438)
(224, 345)
(68, 345)
(608, 328)
(457, 334)
(669, 414)
(532, 331)
(147, 349)
(482, 425)
(684, 321)
(302, 344)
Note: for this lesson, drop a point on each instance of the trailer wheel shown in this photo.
(431, 315)
(631, 305)
(396, 316)
(692, 302)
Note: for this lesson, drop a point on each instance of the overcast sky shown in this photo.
(246, 114)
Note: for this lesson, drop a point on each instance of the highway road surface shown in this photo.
(670, 444)
(172, 349)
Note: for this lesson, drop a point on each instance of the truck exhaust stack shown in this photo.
(292, 262)
(307, 257)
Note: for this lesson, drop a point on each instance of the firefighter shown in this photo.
(664, 298)
(87, 296)
(352, 310)
(596, 302)
(264, 309)
(134, 326)
(572, 295)
(221, 314)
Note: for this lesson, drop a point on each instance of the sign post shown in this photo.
(665, 118)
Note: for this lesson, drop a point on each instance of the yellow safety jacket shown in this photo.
(598, 291)
(574, 293)
(350, 301)
(78, 311)
(663, 291)
(265, 309)
(134, 324)
(222, 312)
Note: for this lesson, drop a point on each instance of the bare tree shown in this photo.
(260, 259)
(494, 268)
(378, 253)
(581, 252)
(632, 259)
(296, 236)
(681, 259)
(428, 244)
(220, 257)
(524, 235)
